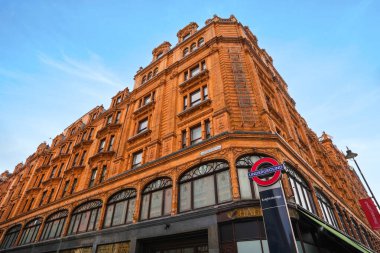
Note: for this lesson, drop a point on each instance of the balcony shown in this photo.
(139, 135)
(74, 169)
(59, 157)
(191, 109)
(107, 129)
(143, 109)
(101, 155)
(82, 144)
(194, 80)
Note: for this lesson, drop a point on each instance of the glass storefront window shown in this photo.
(205, 185)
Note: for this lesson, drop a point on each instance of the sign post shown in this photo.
(278, 227)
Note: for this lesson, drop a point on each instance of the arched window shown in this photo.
(201, 41)
(85, 217)
(30, 231)
(327, 210)
(300, 189)
(10, 237)
(120, 208)
(248, 189)
(156, 199)
(205, 185)
(155, 71)
(193, 47)
(150, 75)
(54, 225)
(185, 52)
(143, 80)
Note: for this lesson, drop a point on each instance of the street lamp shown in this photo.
(352, 155)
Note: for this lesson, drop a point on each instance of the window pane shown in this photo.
(156, 204)
(249, 246)
(168, 201)
(196, 134)
(59, 228)
(185, 195)
(265, 246)
(292, 182)
(303, 202)
(92, 224)
(244, 184)
(204, 192)
(224, 186)
(145, 206)
(107, 220)
(54, 228)
(131, 209)
(195, 97)
(194, 71)
(120, 212)
(84, 222)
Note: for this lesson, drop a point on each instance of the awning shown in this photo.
(336, 233)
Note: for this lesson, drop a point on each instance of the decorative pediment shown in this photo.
(189, 29)
(161, 49)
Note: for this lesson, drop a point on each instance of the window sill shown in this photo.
(83, 143)
(74, 169)
(190, 110)
(140, 135)
(42, 167)
(144, 108)
(52, 180)
(60, 157)
(107, 129)
(192, 81)
(100, 155)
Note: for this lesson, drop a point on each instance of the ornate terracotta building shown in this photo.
(164, 168)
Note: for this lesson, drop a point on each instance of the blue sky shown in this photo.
(59, 59)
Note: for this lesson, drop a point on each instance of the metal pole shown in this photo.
(365, 181)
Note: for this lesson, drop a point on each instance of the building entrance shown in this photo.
(195, 242)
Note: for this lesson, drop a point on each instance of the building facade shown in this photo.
(164, 168)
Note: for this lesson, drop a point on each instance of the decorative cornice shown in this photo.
(107, 129)
(190, 110)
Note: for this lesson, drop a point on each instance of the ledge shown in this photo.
(276, 114)
(101, 155)
(140, 135)
(201, 76)
(144, 108)
(42, 167)
(60, 156)
(74, 168)
(107, 129)
(83, 143)
(189, 110)
(33, 190)
(51, 180)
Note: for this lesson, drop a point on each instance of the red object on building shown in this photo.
(371, 212)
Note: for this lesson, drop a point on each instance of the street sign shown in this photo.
(278, 227)
(275, 168)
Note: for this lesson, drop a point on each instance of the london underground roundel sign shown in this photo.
(275, 169)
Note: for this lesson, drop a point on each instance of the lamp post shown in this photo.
(352, 155)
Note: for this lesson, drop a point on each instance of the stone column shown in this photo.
(213, 239)
(174, 193)
(102, 213)
(136, 213)
(234, 177)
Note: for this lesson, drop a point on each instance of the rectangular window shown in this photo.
(205, 93)
(110, 146)
(30, 204)
(82, 158)
(195, 97)
(118, 100)
(103, 175)
(51, 195)
(42, 198)
(186, 36)
(117, 119)
(109, 120)
(101, 145)
(68, 147)
(65, 188)
(73, 186)
(195, 134)
(207, 129)
(62, 148)
(143, 125)
(147, 100)
(53, 171)
(183, 138)
(203, 65)
(92, 178)
(194, 71)
(184, 102)
(90, 134)
(186, 75)
(204, 192)
(41, 180)
(60, 169)
(137, 159)
(83, 136)
(75, 159)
